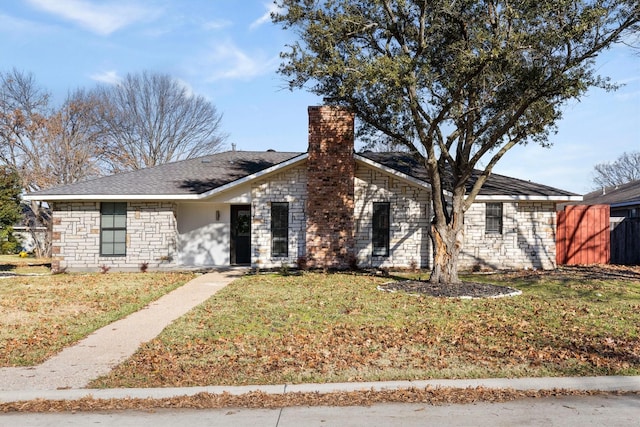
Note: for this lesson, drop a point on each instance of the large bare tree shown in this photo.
(624, 169)
(46, 146)
(151, 118)
(24, 107)
(455, 81)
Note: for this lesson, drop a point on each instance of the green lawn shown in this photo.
(339, 327)
(40, 315)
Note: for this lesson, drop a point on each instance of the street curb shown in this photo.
(605, 384)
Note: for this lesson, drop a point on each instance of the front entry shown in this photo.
(240, 234)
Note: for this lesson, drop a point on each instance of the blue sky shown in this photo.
(227, 51)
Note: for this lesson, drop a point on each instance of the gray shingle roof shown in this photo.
(625, 194)
(186, 177)
(201, 175)
(496, 185)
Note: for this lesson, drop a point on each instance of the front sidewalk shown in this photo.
(607, 384)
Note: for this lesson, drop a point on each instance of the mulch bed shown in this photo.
(459, 290)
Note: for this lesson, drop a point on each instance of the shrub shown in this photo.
(301, 262)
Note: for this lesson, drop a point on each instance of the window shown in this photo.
(494, 218)
(381, 229)
(279, 229)
(113, 229)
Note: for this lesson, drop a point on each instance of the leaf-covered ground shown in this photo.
(339, 327)
(40, 315)
(254, 400)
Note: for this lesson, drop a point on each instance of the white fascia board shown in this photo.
(165, 197)
(562, 199)
(393, 172)
(118, 197)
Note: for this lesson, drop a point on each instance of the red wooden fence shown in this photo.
(583, 235)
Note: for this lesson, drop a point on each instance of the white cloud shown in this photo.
(108, 77)
(233, 63)
(216, 25)
(101, 18)
(271, 8)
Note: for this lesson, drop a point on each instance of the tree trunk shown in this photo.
(447, 244)
(40, 217)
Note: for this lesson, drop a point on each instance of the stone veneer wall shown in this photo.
(410, 245)
(289, 186)
(527, 240)
(330, 172)
(151, 237)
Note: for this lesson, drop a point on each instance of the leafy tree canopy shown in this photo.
(10, 189)
(455, 81)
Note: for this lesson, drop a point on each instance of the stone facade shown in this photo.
(527, 240)
(330, 188)
(289, 186)
(409, 242)
(151, 237)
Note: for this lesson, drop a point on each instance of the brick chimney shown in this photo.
(330, 191)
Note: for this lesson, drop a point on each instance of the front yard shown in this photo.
(265, 329)
(315, 327)
(40, 315)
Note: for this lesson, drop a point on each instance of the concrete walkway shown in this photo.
(75, 366)
(611, 384)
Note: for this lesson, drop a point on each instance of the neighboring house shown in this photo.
(29, 237)
(30, 232)
(624, 200)
(624, 220)
(326, 208)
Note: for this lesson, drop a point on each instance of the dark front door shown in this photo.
(240, 234)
